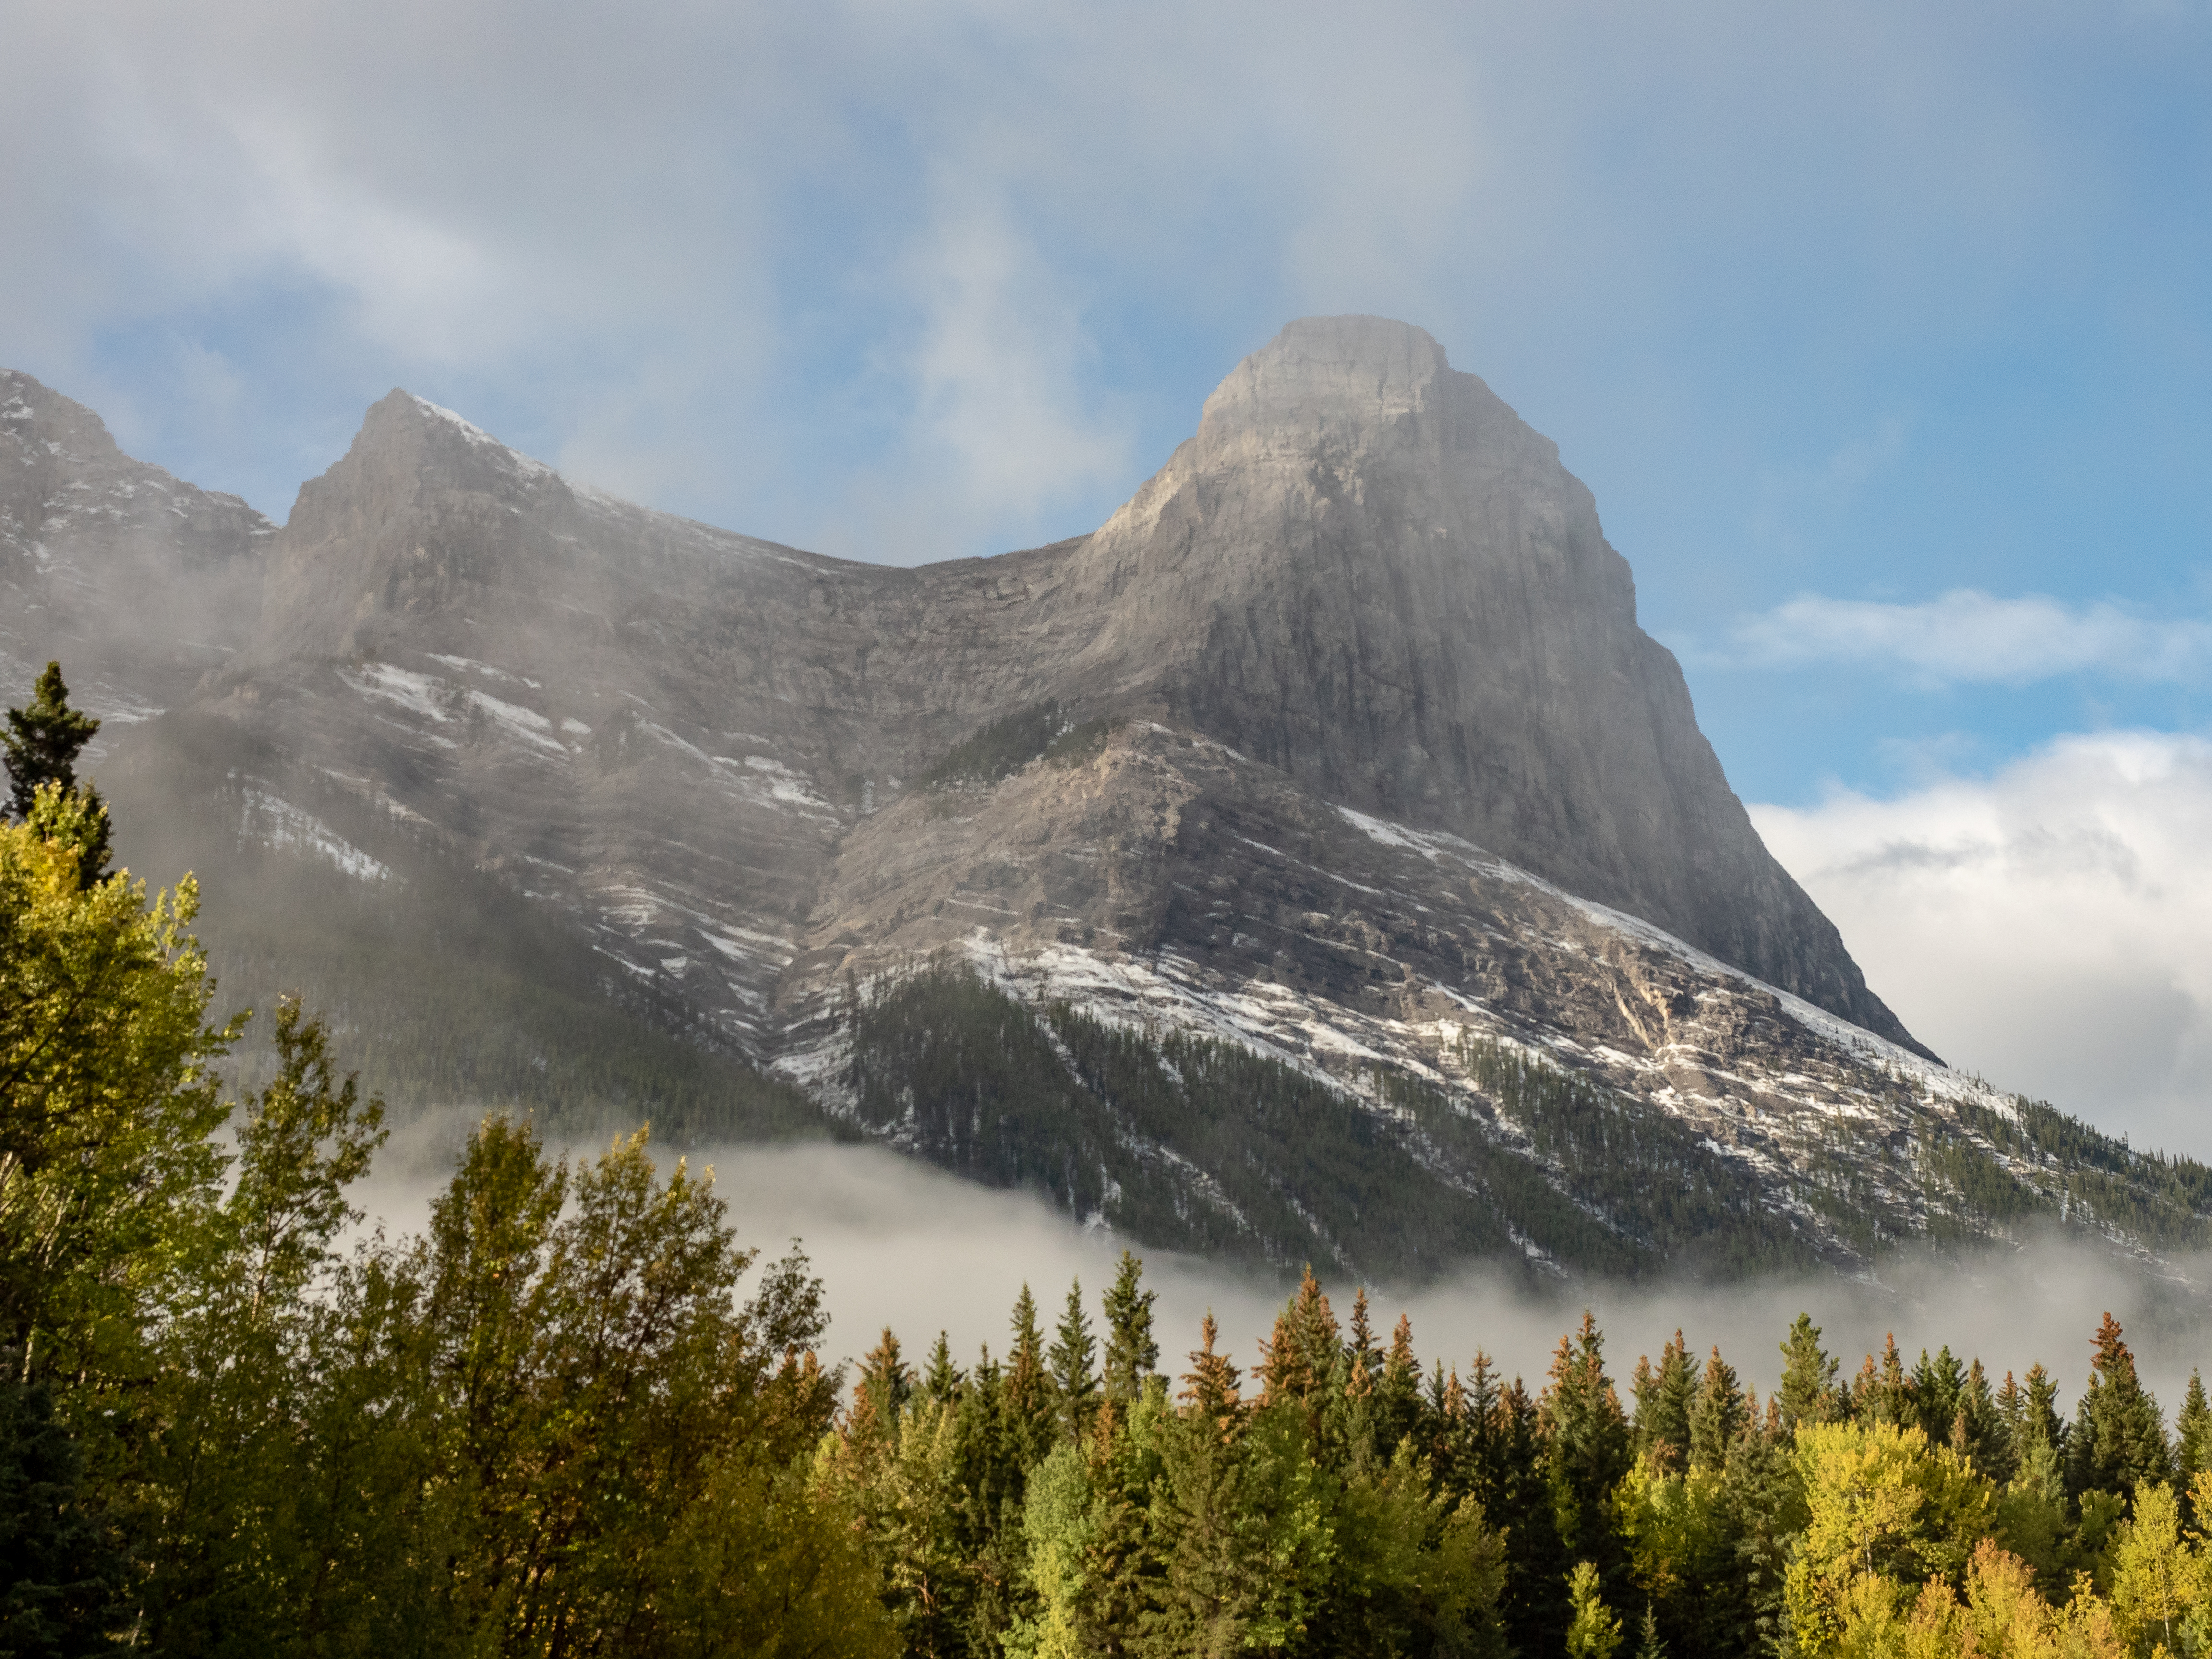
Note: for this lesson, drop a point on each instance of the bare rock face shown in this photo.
(1367, 570)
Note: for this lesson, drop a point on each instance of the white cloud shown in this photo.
(656, 231)
(1967, 635)
(2046, 927)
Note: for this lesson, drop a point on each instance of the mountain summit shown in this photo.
(1316, 861)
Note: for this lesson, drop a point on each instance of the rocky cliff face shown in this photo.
(1336, 753)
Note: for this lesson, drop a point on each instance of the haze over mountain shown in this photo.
(1315, 861)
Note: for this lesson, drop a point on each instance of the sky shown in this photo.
(1882, 334)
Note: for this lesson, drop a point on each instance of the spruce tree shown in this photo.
(1075, 1367)
(1808, 1376)
(1132, 1351)
(2118, 1437)
(1588, 1445)
(1210, 1387)
(39, 747)
(1719, 1414)
(943, 1381)
(1663, 1399)
(1030, 1409)
(42, 742)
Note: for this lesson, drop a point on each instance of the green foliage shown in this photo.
(42, 741)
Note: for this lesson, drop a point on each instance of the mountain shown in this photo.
(1317, 861)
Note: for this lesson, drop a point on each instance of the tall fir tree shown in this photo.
(39, 747)
(1663, 1397)
(1808, 1376)
(2119, 1438)
(1132, 1352)
(1074, 1359)
(42, 742)
(1720, 1414)
(1589, 1447)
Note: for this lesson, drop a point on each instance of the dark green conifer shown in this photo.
(1663, 1397)
(1589, 1448)
(943, 1381)
(40, 748)
(1133, 1353)
(1720, 1414)
(1808, 1377)
(2192, 1433)
(1031, 1405)
(42, 742)
(1075, 1367)
(2118, 1437)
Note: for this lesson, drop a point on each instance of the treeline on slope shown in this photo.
(549, 1425)
(1043, 730)
(449, 986)
(1192, 1143)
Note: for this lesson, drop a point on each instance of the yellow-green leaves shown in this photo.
(106, 1172)
(1887, 1512)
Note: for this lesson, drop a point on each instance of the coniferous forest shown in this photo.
(577, 1416)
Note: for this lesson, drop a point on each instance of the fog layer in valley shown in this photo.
(901, 1244)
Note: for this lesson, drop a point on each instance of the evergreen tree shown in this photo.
(1132, 1351)
(1587, 1447)
(1648, 1645)
(40, 746)
(42, 742)
(1720, 1414)
(1075, 1367)
(2192, 1431)
(1808, 1376)
(62, 1586)
(1663, 1399)
(2119, 1438)
(1212, 1391)
(943, 1382)
(1030, 1414)
(1979, 1431)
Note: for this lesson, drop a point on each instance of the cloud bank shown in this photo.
(899, 1243)
(2046, 925)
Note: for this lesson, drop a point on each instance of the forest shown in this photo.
(576, 1415)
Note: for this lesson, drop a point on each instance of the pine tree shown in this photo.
(943, 1381)
(40, 746)
(1210, 1387)
(1132, 1351)
(1588, 1445)
(2192, 1429)
(1808, 1376)
(2119, 1438)
(1720, 1414)
(1074, 1367)
(1648, 1645)
(1031, 1408)
(1663, 1399)
(42, 742)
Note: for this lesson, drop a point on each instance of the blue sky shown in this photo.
(1883, 334)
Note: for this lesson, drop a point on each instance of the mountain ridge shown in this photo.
(1338, 744)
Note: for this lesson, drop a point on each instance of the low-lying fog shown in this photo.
(899, 1244)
